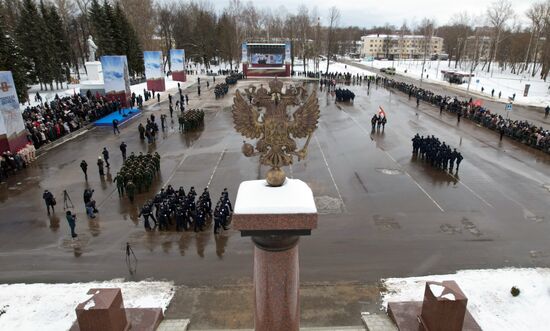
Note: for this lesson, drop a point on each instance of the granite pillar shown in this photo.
(275, 218)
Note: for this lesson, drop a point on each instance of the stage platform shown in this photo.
(108, 120)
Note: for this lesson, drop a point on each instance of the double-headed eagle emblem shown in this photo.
(265, 116)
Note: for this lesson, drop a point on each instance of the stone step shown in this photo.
(378, 322)
(173, 325)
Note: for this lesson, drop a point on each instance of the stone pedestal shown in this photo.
(275, 218)
(443, 309)
(94, 70)
(179, 76)
(105, 311)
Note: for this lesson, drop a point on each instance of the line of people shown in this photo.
(176, 209)
(522, 131)
(436, 153)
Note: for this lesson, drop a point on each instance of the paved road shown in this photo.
(529, 113)
(383, 213)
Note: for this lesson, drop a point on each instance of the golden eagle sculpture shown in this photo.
(264, 116)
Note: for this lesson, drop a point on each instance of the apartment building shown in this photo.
(400, 46)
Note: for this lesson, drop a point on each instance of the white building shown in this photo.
(400, 46)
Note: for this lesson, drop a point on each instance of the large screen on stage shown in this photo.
(265, 54)
(267, 58)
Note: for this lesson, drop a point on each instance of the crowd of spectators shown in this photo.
(50, 121)
(10, 162)
(520, 130)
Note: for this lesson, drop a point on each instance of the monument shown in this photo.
(92, 48)
(275, 212)
(94, 82)
(275, 129)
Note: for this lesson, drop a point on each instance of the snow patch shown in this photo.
(52, 306)
(489, 298)
(436, 289)
(90, 304)
(449, 296)
(256, 197)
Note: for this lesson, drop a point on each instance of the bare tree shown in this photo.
(304, 26)
(140, 14)
(333, 18)
(536, 15)
(498, 14)
(165, 21)
(426, 28)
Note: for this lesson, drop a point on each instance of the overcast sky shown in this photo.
(366, 13)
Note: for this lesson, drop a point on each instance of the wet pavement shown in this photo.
(383, 213)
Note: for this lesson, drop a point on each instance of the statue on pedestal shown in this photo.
(266, 118)
(92, 48)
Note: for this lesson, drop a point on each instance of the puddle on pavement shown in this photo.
(78, 246)
(386, 223)
(389, 171)
(328, 205)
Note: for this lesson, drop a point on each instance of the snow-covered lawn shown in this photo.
(501, 81)
(333, 67)
(51, 307)
(489, 298)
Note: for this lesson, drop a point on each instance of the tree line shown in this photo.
(45, 42)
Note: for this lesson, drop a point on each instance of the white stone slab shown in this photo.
(257, 197)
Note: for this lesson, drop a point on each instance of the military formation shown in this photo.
(174, 209)
(137, 174)
(191, 120)
(344, 95)
(436, 153)
(221, 90)
(233, 78)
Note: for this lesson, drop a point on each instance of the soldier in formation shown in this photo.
(344, 95)
(172, 208)
(192, 120)
(137, 174)
(438, 154)
(221, 89)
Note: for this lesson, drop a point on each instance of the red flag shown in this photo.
(381, 111)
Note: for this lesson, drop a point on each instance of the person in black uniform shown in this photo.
(105, 153)
(208, 202)
(146, 213)
(49, 200)
(84, 167)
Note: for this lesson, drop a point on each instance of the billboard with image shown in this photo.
(116, 78)
(153, 70)
(177, 65)
(12, 128)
